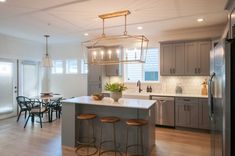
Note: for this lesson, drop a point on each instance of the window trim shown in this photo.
(63, 63)
(66, 67)
(142, 66)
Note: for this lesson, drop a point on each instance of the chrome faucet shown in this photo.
(139, 85)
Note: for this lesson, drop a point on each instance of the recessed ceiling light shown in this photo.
(139, 28)
(200, 19)
(2, 0)
(86, 34)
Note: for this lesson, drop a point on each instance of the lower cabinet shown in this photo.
(186, 112)
(192, 113)
(204, 120)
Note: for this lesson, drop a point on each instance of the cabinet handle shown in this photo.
(199, 70)
(174, 70)
(195, 71)
(99, 78)
(186, 99)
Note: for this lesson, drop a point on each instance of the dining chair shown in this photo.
(23, 102)
(55, 106)
(36, 108)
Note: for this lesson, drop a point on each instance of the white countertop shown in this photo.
(123, 102)
(165, 94)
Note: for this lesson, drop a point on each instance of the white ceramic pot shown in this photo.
(116, 95)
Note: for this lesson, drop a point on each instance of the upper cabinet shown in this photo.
(185, 58)
(172, 59)
(113, 70)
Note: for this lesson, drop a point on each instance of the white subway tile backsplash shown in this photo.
(167, 84)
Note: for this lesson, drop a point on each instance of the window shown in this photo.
(71, 66)
(58, 67)
(84, 67)
(149, 71)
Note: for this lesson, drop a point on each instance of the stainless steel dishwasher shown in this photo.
(165, 110)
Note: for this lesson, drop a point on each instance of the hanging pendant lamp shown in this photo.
(116, 49)
(47, 61)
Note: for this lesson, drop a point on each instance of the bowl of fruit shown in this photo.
(97, 97)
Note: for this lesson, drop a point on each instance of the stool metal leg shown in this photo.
(141, 141)
(100, 139)
(127, 130)
(114, 139)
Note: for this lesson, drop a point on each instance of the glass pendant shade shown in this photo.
(116, 49)
(46, 60)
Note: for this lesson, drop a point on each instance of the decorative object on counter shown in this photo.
(150, 89)
(98, 97)
(147, 89)
(115, 89)
(115, 49)
(178, 89)
(204, 90)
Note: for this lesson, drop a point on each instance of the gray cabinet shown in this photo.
(113, 70)
(94, 79)
(172, 59)
(186, 112)
(197, 56)
(166, 56)
(191, 61)
(204, 121)
(204, 48)
(189, 58)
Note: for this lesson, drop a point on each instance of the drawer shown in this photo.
(186, 100)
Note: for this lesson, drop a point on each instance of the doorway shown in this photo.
(8, 88)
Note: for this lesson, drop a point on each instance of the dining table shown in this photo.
(45, 100)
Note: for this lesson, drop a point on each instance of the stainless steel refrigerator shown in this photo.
(221, 97)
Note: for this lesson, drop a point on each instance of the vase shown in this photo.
(116, 95)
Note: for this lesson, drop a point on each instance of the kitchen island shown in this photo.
(124, 109)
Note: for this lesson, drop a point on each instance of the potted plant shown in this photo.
(115, 89)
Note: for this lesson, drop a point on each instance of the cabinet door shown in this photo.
(181, 118)
(204, 48)
(179, 60)
(94, 73)
(113, 70)
(204, 121)
(166, 58)
(193, 112)
(191, 58)
(94, 88)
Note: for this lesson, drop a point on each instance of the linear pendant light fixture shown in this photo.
(47, 61)
(116, 49)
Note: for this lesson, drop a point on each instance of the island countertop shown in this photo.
(123, 102)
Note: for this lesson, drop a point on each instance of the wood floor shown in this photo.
(34, 141)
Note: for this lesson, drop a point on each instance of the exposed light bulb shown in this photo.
(110, 53)
(200, 19)
(102, 54)
(139, 28)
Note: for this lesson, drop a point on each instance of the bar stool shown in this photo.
(139, 123)
(109, 120)
(89, 141)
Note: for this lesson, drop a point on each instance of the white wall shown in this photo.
(68, 85)
(17, 48)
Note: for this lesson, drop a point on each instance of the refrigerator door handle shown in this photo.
(210, 96)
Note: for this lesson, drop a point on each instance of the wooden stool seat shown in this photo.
(86, 116)
(109, 119)
(136, 122)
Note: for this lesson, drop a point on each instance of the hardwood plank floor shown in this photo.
(17, 141)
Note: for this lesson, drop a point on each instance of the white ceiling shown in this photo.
(68, 20)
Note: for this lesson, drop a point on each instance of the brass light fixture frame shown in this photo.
(111, 38)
